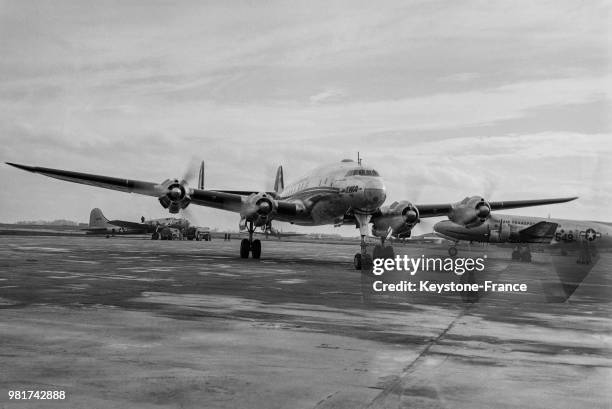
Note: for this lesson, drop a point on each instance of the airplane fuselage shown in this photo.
(500, 228)
(328, 193)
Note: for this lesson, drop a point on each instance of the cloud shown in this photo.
(446, 99)
(329, 95)
(461, 77)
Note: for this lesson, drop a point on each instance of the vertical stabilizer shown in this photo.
(201, 177)
(97, 219)
(279, 183)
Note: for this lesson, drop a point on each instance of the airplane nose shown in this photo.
(374, 193)
(375, 196)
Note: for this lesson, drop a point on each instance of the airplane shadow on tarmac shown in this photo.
(552, 277)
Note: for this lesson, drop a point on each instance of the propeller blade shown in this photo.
(191, 170)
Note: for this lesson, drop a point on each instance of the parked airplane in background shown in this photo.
(347, 192)
(522, 230)
(98, 224)
(165, 229)
(168, 228)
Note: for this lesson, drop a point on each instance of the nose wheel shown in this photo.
(249, 245)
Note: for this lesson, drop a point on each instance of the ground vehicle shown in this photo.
(198, 233)
(167, 233)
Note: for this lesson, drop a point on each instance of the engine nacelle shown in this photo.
(176, 195)
(506, 233)
(397, 219)
(259, 208)
(470, 212)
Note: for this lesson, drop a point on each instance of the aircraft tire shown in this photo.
(155, 236)
(452, 251)
(245, 248)
(357, 261)
(256, 249)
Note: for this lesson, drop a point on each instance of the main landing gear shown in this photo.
(249, 245)
(522, 252)
(382, 251)
(587, 253)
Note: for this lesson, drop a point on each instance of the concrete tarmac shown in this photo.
(128, 322)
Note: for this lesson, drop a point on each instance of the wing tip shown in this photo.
(22, 167)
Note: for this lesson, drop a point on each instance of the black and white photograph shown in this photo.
(305, 204)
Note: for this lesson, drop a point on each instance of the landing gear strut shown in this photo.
(249, 245)
(382, 251)
(362, 260)
(522, 252)
(586, 254)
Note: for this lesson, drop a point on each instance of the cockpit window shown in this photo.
(362, 172)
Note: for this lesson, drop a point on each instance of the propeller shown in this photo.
(190, 177)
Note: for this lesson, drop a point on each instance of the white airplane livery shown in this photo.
(346, 192)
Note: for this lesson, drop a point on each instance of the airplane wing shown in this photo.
(541, 232)
(434, 210)
(130, 225)
(209, 198)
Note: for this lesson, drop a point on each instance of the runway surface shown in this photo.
(127, 322)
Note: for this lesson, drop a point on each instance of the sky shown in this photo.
(446, 99)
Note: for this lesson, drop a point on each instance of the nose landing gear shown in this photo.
(362, 260)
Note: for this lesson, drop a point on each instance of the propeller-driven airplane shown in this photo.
(523, 230)
(347, 192)
(99, 224)
(158, 228)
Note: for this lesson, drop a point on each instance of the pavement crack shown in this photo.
(395, 388)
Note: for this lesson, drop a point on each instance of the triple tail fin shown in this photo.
(279, 183)
(201, 177)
